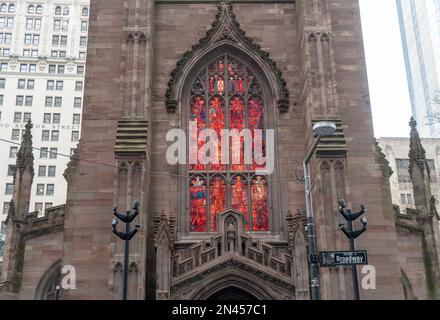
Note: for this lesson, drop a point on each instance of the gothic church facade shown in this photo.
(220, 231)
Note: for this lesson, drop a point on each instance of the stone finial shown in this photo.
(25, 156)
(417, 154)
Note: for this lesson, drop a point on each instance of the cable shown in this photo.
(116, 166)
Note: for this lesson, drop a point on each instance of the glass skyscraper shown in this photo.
(420, 30)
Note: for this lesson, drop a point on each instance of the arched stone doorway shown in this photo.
(232, 293)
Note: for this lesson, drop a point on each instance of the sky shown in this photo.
(389, 93)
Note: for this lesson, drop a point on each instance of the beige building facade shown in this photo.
(396, 151)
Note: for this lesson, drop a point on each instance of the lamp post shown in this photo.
(351, 234)
(127, 218)
(320, 129)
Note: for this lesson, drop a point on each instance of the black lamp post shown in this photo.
(320, 129)
(351, 234)
(126, 218)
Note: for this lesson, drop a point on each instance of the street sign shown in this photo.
(343, 258)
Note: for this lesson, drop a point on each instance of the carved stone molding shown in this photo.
(132, 36)
(226, 29)
(315, 36)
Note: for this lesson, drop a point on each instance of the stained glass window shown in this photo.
(227, 95)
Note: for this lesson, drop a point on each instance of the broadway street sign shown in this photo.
(343, 258)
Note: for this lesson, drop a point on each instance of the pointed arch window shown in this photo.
(226, 94)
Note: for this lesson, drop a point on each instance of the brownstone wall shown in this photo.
(40, 254)
(364, 177)
(411, 261)
(90, 193)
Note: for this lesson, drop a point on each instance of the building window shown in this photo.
(42, 171)
(56, 27)
(85, 12)
(47, 118)
(409, 199)
(38, 207)
(40, 189)
(43, 153)
(33, 39)
(29, 101)
(80, 70)
(39, 10)
(32, 67)
(66, 11)
(9, 188)
(48, 205)
(76, 119)
(82, 55)
(75, 136)
(15, 135)
(50, 84)
(30, 84)
(83, 41)
(5, 207)
(45, 135)
(52, 68)
(31, 9)
(79, 86)
(19, 100)
(5, 52)
(55, 135)
(403, 198)
(78, 102)
(13, 152)
(84, 25)
(21, 84)
(1, 99)
(49, 101)
(17, 117)
(60, 85)
(3, 66)
(26, 117)
(432, 171)
(11, 170)
(58, 11)
(233, 99)
(58, 101)
(56, 119)
(5, 38)
(51, 171)
(53, 153)
(61, 69)
(50, 190)
(2, 83)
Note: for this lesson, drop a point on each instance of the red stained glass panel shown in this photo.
(217, 200)
(239, 197)
(198, 113)
(237, 120)
(198, 195)
(260, 217)
(227, 95)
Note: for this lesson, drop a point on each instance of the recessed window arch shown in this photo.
(3, 7)
(39, 9)
(227, 94)
(31, 9)
(58, 10)
(12, 8)
(85, 12)
(66, 11)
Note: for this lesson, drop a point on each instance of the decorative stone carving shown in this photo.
(225, 28)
